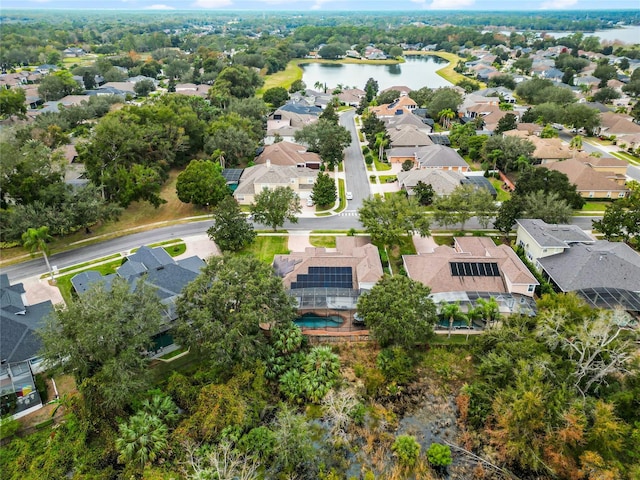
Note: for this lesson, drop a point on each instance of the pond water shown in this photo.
(312, 320)
(418, 71)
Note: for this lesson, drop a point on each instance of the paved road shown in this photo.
(357, 180)
(61, 260)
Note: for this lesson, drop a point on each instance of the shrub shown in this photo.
(373, 381)
(407, 449)
(368, 159)
(8, 427)
(439, 455)
(396, 365)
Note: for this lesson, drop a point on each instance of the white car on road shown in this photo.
(349, 196)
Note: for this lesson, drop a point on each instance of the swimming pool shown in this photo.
(312, 320)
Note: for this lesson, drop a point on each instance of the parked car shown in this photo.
(349, 196)
(309, 202)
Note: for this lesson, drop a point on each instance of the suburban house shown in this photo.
(443, 182)
(590, 183)
(475, 267)
(373, 53)
(19, 347)
(540, 239)
(258, 177)
(414, 120)
(19, 322)
(329, 281)
(400, 106)
(603, 268)
(74, 52)
(155, 267)
(193, 90)
(408, 136)
(442, 158)
(547, 150)
(288, 154)
(351, 96)
(402, 89)
(284, 124)
(617, 124)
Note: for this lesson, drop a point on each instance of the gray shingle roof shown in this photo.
(18, 322)
(603, 264)
(437, 156)
(554, 235)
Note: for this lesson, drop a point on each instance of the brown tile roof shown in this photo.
(433, 269)
(287, 153)
(405, 103)
(408, 136)
(585, 178)
(618, 124)
(355, 252)
(601, 163)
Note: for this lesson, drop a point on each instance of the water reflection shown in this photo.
(416, 72)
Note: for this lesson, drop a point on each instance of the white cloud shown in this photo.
(319, 3)
(159, 7)
(212, 3)
(450, 4)
(558, 4)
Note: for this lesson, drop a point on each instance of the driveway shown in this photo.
(356, 178)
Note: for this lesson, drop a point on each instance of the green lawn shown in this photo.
(326, 241)
(394, 255)
(381, 166)
(64, 282)
(626, 156)
(266, 247)
(342, 192)
(594, 207)
(502, 195)
(388, 178)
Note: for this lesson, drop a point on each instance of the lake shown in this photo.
(418, 71)
(625, 35)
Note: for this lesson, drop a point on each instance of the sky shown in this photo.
(328, 5)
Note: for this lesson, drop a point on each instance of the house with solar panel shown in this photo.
(605, 274)
(327, 283)
(155, 267)
(475, 268)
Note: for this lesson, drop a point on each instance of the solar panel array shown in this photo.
(232, 174)
(337, 277)
(474, 269)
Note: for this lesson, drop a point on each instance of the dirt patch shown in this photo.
(66, 386)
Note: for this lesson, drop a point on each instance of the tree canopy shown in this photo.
(231, 230)
(108, 373)
(274, 207)
(202, 183)
(221, 312)
(398, 311)
(387, 220)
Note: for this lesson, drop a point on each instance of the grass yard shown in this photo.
(388, 178)
(283, 78)
(64, 282)
(502, 195)
(326, 241)
(594, 207)
(342, 192)
(626, 156)
(448, 72)
(393, 256)
(381, 166)
(266, 247)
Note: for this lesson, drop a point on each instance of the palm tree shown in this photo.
(446, 116)
(451, 311)
(474, 313)
(576, 143)
(35, 240)
(522, 162)
(142, 440)
(490, 309)
(318, 85)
